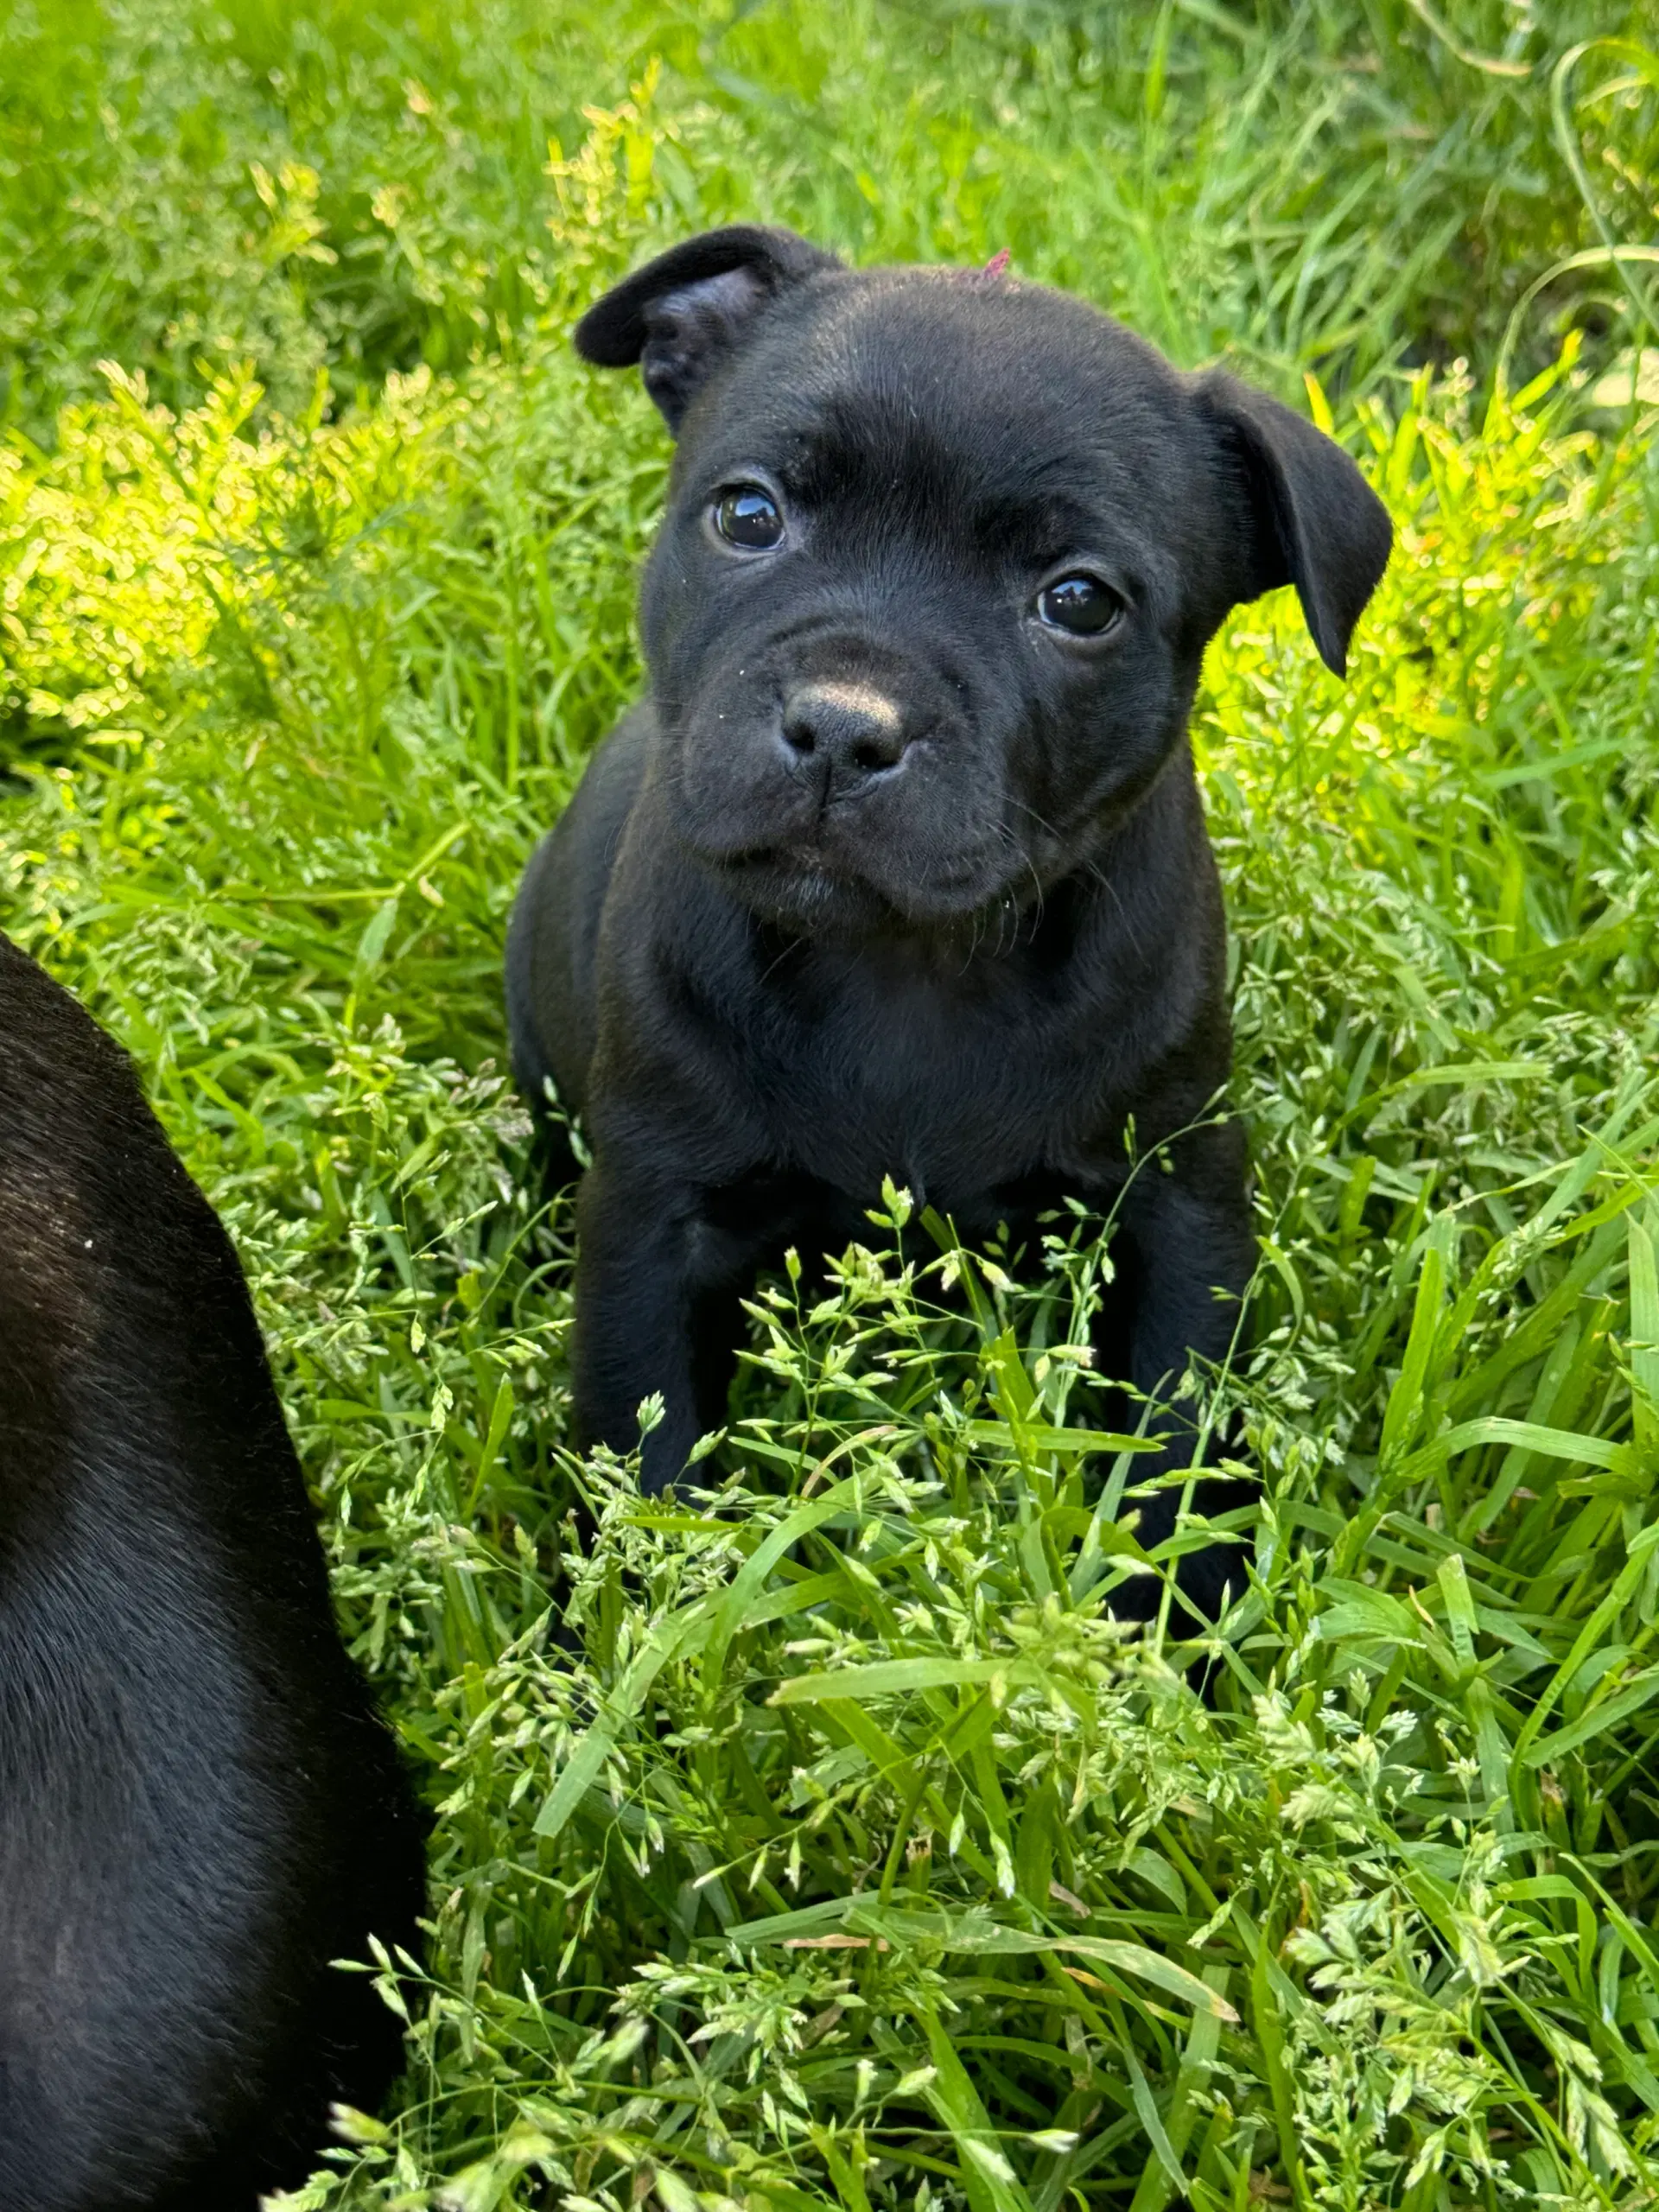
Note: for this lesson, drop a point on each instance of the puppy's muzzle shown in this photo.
(843, 736)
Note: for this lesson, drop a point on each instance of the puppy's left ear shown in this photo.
(1307, 516)
(681, 314)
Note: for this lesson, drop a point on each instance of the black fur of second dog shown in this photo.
(198, 1809)
(901, 869)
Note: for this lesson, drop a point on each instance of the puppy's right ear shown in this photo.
(681, 314)
(1308, 517)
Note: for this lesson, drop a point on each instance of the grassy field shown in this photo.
(837, 1851)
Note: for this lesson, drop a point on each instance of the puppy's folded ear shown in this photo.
(1305, 515)
(681, 314)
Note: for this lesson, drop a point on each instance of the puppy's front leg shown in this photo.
(656, 1293)
(1195, 1252)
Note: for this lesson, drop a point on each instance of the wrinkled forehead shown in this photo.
(932, 390)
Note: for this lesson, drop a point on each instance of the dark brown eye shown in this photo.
(1082, 606)
(746, 516)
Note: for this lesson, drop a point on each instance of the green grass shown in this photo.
(311, 607)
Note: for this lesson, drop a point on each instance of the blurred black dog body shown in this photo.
(198, 1809)
(902, 869)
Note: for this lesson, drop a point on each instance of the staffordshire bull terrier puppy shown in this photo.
(198, 1809)
(901, 867)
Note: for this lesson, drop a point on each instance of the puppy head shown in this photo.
(941, 558)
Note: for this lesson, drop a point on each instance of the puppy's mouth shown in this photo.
(807, 861)
(805, 879)
(804, 868)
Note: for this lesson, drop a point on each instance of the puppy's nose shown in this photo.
(848, 732)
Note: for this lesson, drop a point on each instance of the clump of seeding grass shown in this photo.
(819, 1839)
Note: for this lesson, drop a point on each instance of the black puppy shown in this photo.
(197, 1807)
(902, 869)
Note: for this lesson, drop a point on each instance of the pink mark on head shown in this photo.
(996, 267)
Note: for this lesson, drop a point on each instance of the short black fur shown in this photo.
(889, 875)
(199, 1809)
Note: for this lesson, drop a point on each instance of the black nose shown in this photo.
(847, 732)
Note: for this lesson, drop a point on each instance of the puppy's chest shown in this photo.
(949, 1090)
